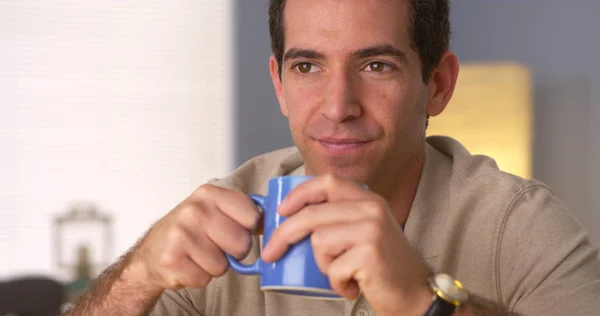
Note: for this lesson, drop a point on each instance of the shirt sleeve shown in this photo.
(546, 264)
(178, 303)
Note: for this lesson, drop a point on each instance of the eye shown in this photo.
(305, 68)
(377, 66)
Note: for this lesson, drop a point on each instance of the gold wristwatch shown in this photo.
(448, 295)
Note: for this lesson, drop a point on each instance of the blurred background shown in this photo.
(112, 112)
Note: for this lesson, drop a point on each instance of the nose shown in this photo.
(340, 101)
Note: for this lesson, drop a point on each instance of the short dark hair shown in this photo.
(430, 31)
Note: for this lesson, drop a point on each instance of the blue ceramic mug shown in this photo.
(297, 271)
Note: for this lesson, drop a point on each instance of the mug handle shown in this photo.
(253, 268)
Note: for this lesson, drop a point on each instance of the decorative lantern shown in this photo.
(83, 244)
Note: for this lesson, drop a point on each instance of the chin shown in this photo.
(357, 164)
(356, 171)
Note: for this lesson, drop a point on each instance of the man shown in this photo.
(357, 80)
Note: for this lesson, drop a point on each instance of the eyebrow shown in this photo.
(294, 53)
(380, 50)
(369, 51)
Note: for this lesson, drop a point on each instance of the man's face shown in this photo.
(352, 86)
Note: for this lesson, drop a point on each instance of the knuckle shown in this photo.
(190, 212)
(377, 209)
(205, 191)
(175, 236)
(175, 241)
(317, 239)
(221, 268)
(167, 261)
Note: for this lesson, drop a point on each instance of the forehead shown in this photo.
(342, 25)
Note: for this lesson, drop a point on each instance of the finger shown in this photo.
(206, 254)
(343, 273)
(237, 205)
(323, 188)
(310, 219)
(228, 234)
(330, 242)
(185, 273)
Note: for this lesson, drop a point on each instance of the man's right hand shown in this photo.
(187, 247)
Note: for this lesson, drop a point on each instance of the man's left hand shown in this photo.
(356, 242)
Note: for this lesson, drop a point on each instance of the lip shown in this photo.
(341, 141)
(342, 145)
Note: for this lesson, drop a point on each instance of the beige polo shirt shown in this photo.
(509, 240)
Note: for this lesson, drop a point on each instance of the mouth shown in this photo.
(342, 145)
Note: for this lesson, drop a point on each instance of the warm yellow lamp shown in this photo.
(491, 114)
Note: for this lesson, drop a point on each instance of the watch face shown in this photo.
(449, 289)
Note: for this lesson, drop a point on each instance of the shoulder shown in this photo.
(477, 185)
(478, 170)
(477, 180)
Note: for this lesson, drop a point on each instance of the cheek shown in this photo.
(395, 107)
(302, 102)
(387, 103)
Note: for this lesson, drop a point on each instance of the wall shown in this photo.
(127, 104)
(260, 126)
(559, 41)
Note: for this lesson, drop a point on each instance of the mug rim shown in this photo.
(299, 177)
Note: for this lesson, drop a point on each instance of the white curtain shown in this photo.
(124, 103)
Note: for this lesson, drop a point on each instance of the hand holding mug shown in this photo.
(357, 244)
(296, 272)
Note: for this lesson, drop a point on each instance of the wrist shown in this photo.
(423, 299)
(135, 275)
(119, 290)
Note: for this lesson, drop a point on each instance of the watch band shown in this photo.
(439, 307)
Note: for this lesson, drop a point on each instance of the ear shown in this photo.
(441, 83)
(277, 84)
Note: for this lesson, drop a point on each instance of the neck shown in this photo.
(399, 185)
